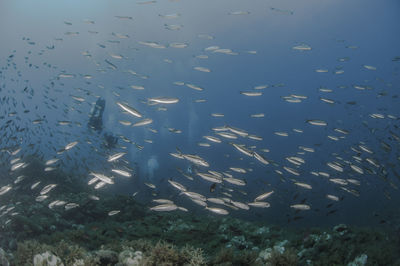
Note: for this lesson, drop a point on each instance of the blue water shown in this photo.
(361, 32)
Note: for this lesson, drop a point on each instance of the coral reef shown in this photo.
(228, 256)
(62, 253)
(3, 258)
(129, 257)
(278, 255)
(359, 261)
(47, 259)
(86, 235)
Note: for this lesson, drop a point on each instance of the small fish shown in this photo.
(111, 213)
(164, 100)
(303, 185)
(202, 69)
(177, 185)
(251, 93)
(150, 185)
(259, 115)
(121, 172)
(212, 187)
(239, 13)
(103, 178)
(369, 67)
(235, 181)
(115, 156)
(212, 139)
(5, 189)
(47, 189)
(70, 145)
(259, 204)
(163, 201)
(301, 207)
(164, 207)
(332, 197)
(302, 47)
(317, 122)
(217, 210)
(263, 196)
(143, 122)
(129, 110)
(70, 206)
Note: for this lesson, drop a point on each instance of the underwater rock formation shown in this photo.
(359, 261)
(3, 258)
(129, 257)
(47, 259)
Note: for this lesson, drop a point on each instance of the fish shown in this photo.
(260, 158)
(227, 135)
(112, 213)
(369, 67)
(238, 170)
(258, 115)
(335, 166)
(263, 196)
(212, 139)
(18, 166)
(194, 196)
(192, 86)
(47, 189)
(56, 203)
(121, 172)
(239, 13)
(302, 47)
(251, 93)
(210, 177)
(115, 156)
(150, 185)
(339, 181)
(202, 69)
(111, 65)
(216, 201)
(259, 204)
(240, 205)
(170, 16)
(163, 100)
(163, 201)
(70, 206)
(70, 145)
(129, 110)
(102, 177)
(137, 87)
(301, 207)
(317, 122)
(5, 189)
(144, 122)
(153, 45)
(303, 185)
(281, 134)
(291, 170)
(357, 169)
(243, 149)
(196, 160)
(164, 207)
(177, 185)
(217, 210)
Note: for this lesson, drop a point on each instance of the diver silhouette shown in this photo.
(96, 123)
(96, 115)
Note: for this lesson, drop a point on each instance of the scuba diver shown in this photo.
(96, 123)
(96, 115)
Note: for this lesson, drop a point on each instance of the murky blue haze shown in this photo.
(329, 62)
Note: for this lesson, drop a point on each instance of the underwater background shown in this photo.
(183, 132)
